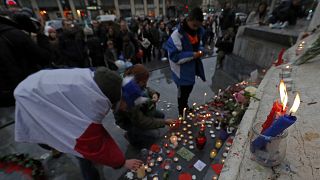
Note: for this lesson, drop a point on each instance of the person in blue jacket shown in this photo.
(184, 48)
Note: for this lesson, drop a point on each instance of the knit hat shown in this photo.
(139, 72)
(132, 92)
(109, 82)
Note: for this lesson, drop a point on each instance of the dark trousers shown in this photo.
(183, 96)
(88, 170)
(146, 54)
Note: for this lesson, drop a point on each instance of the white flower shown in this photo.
(250, 89)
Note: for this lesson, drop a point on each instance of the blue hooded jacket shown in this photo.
(180, 50)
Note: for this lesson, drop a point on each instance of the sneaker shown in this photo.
(284, 25)
(164, 59)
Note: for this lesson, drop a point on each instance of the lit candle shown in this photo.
(213, 153)
(184, 113)
(218, 144)
(189, 125)
(214, 178)
(184, 129)
(189, 132)
(155, 178)
(277, 108)
(175, 159)
(159, 159)
(204, 98)
(181, 135)
(174, 140)
(227, 149)
(222, 161)
(194, 105)
(151, 164)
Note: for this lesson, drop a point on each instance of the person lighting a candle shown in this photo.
(140, 118)
(65, 108)
(185, 47)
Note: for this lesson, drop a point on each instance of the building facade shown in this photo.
(125, 8)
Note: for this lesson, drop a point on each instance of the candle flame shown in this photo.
(205, 94)
(296, 104)
(194, 104)
(283, 94)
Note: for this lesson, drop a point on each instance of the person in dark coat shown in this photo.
(227, 19)
(20, 56)
(72, 46)
(144, 37)
(141, 119)
(287, 11)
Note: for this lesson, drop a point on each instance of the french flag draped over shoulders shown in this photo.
(64, 108)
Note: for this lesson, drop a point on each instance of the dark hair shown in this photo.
(265, 10)
(196, 14)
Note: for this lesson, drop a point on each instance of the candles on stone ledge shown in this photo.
(213, 153)
(218, 144)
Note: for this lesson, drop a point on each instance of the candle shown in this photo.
(211, 132)
(222, 161)
(214, 178)
(184, 113)
(181, 135)
(227, 149)
(141, 172)
(184, 122)
(213, 135)
(194, 105)
(159, 159)
(219, 126)
(189, 125)
(213, 153)
(190, 142)
(277, 108)
(175, 159)
(277, 127)
(167, 167)
(184, 129)
(179, 139)
(191, 147)
(178, 133)
(178, 168)
(174, 141)
(225, 154)
(189, 132)
(218, 144)
(190, 137)
(204, 98)
(155, 178)
(151, 164)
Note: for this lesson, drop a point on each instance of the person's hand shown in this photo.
(133, 164)
(169, 121)
(155, 97)
(197, 54)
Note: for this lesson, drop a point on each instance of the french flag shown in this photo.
(64, 109)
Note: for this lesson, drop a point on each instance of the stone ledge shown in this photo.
(233, 162)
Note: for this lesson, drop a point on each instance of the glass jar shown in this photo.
(273, 153)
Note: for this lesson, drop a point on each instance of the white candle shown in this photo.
(204, 98)
(184, 113)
